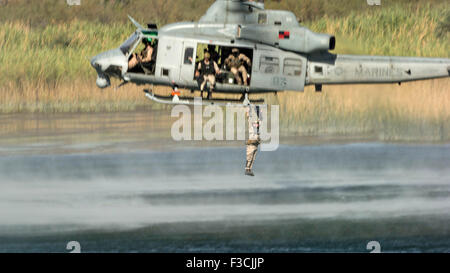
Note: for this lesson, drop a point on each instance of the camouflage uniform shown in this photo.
(236, 63)
(254, 139)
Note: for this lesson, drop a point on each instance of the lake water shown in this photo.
(118, 183)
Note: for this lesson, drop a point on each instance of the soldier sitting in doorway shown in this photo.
(236, 63)
(206, 72)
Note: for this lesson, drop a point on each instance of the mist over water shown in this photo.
(325, 193)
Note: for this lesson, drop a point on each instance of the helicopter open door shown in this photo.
(187, 68)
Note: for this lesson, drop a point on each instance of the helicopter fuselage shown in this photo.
(284, 55)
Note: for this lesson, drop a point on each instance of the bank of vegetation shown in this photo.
(44, 62)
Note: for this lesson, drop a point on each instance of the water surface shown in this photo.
(120, 187)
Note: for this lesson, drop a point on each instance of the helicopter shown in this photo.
(283, 56)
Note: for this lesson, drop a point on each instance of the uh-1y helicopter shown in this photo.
(284, 56)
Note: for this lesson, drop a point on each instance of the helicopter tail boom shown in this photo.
(348, 69)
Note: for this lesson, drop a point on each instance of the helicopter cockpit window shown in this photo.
(143, 59)
(128, 45)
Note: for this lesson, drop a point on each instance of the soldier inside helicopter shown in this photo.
(234, 68)
(145, 60)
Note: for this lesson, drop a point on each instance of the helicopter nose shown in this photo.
(108, 64)
(101, 61)
(109, 58)
(95, 63)
(103, 80)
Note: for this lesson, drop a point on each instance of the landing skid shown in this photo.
(177, 100)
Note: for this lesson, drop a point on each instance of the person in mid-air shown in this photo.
(254, 120)
(144, 57)
(236, 63)
(206, 72)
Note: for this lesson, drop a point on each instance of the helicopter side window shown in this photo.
(188, 56)
(269, 65)
(262, 18)
(292, 67)
(318, 70)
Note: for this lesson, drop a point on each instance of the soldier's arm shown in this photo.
(216, 68)
(228, 60)
(246, 59)
(199, 67)
(148, 58)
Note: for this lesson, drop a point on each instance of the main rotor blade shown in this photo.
(136, 23)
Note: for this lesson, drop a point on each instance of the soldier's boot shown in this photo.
(248, 170)
(210, 93)
(245, 80)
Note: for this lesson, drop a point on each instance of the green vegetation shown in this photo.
(58, 53)
(410, 112)
(401, 31)
(45, 68)
(443, 29)
(43, 12)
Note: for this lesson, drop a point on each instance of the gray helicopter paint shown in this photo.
(234, 23)
(347, 69)
(187, 68)
(228, 12)
(107, 60)
(301, 40)
(173, 48)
